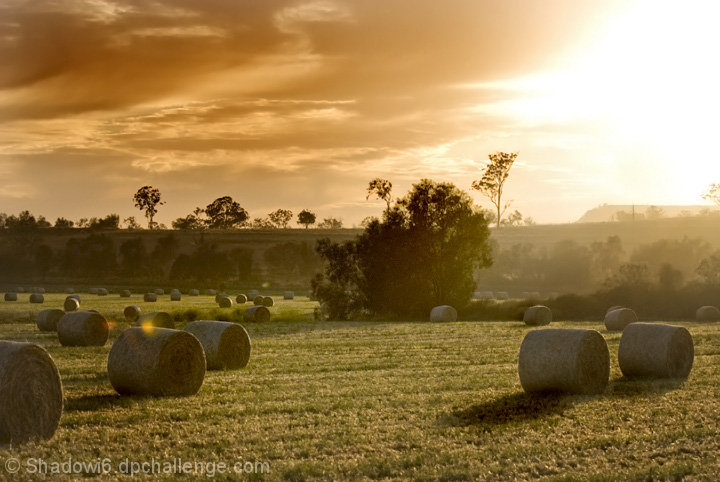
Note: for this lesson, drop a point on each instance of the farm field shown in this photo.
(375, 400)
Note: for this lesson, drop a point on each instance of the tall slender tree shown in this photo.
(492, 182)
(147, 199)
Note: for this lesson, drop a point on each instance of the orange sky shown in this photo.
(297, 104)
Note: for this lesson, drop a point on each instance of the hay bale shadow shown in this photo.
(625, 387)
(516, 407)
(100, 402)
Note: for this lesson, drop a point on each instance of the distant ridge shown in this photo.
(607, 212)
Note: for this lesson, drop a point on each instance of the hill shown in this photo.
(609, 212)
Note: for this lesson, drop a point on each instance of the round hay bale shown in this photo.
(125, 294)
(83, 328)
(224, 301)
(20, 289)
(194, 292)
(617, 320)
(220, 295)
(226, 345)
(150, 297)
(47, 320)
(537, 315)
(71, 304)
(93, 291)
(159, 291)
(289, 295)
(102, 292)
(40, 291)
(156, 361)
(268, 301)
(74, 296)
(158, 319)
(36, 298)
(175, 296)
(655, 350)
(613, 308)
(10, 296)
(69, 291)
(707, 313)
(443, 314)
(258, 313)
(258, 300)
(241, 299)
(252, 294)
(211, 292)
(131, 313)
(503, 295)
(573, 361)
(31, 395)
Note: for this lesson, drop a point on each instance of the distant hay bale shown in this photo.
(258, 300)
(158, 319)
(40, 291)
(102, 292)
(289, 295)
(74, 296)
(252, 294)
(268, 301)
(10, 296)
(220, 295)
(655, 350)
(226, 345)
(613, 308)
(159, 291)
(47, 320)
(212, 292)
(36, 298)
(93, 291)
(443, 314)
(194, 292)
(20, 289)
(69, 291)
(617, 320)
(503, 295)
(131, 313)
(707, 313)
(83, 328)
(258, 313)
(573, 361)
(224, 301)
(31, 394)
(71, 304)
(156, 361)
(537, 315)
(150, 297)
(125, 294)
(241, 299)
(175, 296)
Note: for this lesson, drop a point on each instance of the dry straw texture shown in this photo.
(561, 360)
(241, 299)
(225, 301)
(258, 300)
(707, 313)
(289, 295)
(537, 315)
(218, 296)
(444, 313)
(83, 328)
(156, 361)
(158, 319)
(226, 345)
(175, 296)
(258, 313)
(617, 320)
(656, 351)
(71, 304)
(37, 298)
(47, 320)
(268, 301)
(10, 296)
(31, 395)
(131, 313)
(150, 297)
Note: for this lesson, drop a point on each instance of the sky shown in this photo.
(297, 104)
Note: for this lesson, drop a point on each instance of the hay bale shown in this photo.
(707, 313)
(226, 345)
(131, 313)
(102, 292)
(93, 291)
(252, 294)
(211, 292)
(150, 297)
(224, 301)
(574, 361)
(220, 295)
(47, 320)
(10, 296)
(83, 328)
(156, 361)
(158, 319)
(257, 313)
(258, 300)
(194, 292)
(617, 320)
(655, 350)
(159, 291)
(241, 299)
(36, 298)
(613, 308)
(31, 394)
(74, 296)
(443, 313)
(503, 295)
(20, 289)
(537, 315)
(71, 304)
(175, 296)
(268, 301)
(40, 291)
(125, 294)
(69, 291)
(289, 295)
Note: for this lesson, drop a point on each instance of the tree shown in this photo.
(381, 188)
(147, 199)
(193, 221)
(713, 194)
(281, 218)
(654, 212)
(514, 219)
(306, 217)
(492, 182)
(111, 221)
(63, 223)
(331, 223)
(131, 224)
(134, 260)
(224, 213)
(43, 259)
(262, 223)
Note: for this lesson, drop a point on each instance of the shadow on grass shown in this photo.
(634, 387)
(516, 407)
(99, 402)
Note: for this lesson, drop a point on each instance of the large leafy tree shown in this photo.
(281, 217)
(224, 213)
(147, 199)
(492, 182)
(306, 218)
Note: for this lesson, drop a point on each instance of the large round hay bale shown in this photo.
(150, 297)
(131, 313)
(194, 292)
(159, 291)
(617, 320)
(31, 395)
(258, 313)
(613, 308)
(156, 361)
(211, 292)
(443, 313)
(502, 295)
(268, 301)
(224, 301)
(252, 294)
(258, 300)
(125, 294)
(10, 296)
(175, 296)
(158, 319)
(226, 345)
(93, 291)
(36, 298)
(47, 320)
(656, 350)
(241, 299)
(102, 292)
(707, 313)
(574, 361)
(289, 295)
(537, 315)
(83, 328)
(71, 304)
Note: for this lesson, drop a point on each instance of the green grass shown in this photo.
(372, 400)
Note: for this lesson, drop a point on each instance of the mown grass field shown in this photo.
(373, 400)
